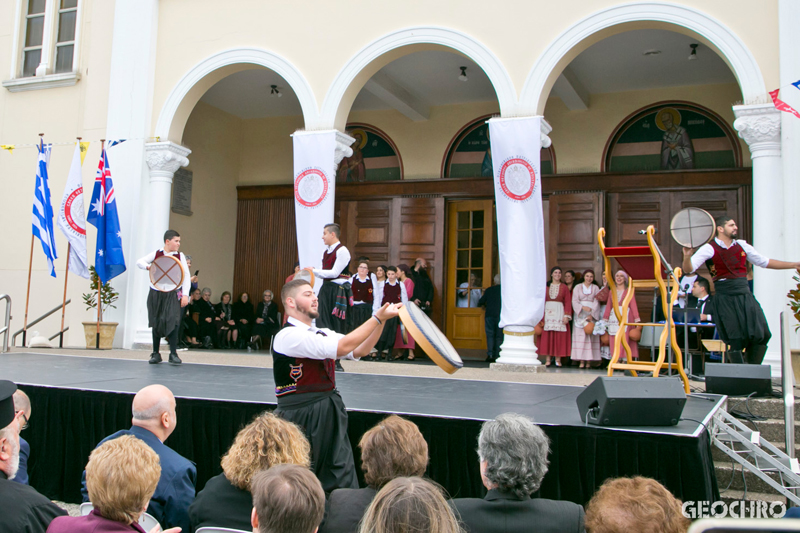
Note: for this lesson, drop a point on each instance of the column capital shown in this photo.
(343, 149)
(164, 158)
(760, 127)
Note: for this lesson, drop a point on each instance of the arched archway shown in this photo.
(191, 87)
(374, 56)
(618, 19)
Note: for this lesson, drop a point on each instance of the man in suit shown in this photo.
(512, 451)
(22, 405)
(154, 420)
(24, 509)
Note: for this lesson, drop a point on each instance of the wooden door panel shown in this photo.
(572, 230)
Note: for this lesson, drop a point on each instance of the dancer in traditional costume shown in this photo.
(164, 308)
(335, 294)
(740, 320)
(363, 284)
(555, 341)
(619, 291)
(393, 291)
(586, 310)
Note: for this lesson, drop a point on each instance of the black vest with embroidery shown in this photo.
(299, 374)
(329, 259)
(362, 290)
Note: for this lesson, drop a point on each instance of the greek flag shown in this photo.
(43, 208)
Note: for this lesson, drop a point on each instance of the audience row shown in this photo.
(266, 484)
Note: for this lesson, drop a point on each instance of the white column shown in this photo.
(163, 159)
(130, 108)
(518, 349)
(760, 126)
(789, 51)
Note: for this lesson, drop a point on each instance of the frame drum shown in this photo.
(166, 273)
(692, 227)
(430, 338)
(306, 274)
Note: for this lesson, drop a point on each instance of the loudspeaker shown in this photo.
(738, 380)
(632, 402)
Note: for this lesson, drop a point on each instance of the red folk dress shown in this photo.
(556, 339)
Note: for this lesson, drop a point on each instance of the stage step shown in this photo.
(731, 496)
(722, 457)
(753, 482)
(766, 407)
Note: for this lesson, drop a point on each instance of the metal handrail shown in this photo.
(787, 382)
(54, 335)
(7, 325)
(47, 314)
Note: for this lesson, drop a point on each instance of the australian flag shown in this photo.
(109, 260)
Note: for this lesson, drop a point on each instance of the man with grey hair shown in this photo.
(154, 420)
(24, 509)
(512, 451)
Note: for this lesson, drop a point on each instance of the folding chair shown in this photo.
(146, 520)
(645, 270)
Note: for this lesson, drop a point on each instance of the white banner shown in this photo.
(314, 183)
(71, 217)
(516, 144)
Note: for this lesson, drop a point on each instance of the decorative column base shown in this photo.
(518, 352)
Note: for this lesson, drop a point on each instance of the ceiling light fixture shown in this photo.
(274, 91)
(463, 75)
(651, 52)
(693, 55)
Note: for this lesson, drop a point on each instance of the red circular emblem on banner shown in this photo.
(311, 187)
(69, 205)
(517, 179)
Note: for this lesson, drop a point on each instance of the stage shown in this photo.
(78, 400)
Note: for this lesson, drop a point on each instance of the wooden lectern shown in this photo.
(645, 270)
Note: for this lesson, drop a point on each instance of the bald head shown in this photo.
(22, 403)
(154, 410)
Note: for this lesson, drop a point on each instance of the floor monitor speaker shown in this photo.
(738, 380)
(610, 401)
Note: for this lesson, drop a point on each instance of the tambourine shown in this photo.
(166, 273)
(692, 227)
(430, 338)
(306, 274)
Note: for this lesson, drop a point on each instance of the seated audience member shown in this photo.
(224, 322)
(193, 280)
(639, 504)
(207, 329)
(190, 329)
(154, 420)
(226, 500)
(266, 322)
(394, 448)
(22, 406)
(243, 316)
(24, 509)
(121, 476)
(287, 498)
(512, 451)
(410, 504)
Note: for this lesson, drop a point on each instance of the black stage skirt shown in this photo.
(324, 420)
(334, 307)
(163, 312)
(386, 342)
(359, 314)
(737, 313)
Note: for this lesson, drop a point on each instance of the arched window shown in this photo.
(672, 136)
(468, 154)
(375, 156)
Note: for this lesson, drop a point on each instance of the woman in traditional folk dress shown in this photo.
(555, 341)
(620, 290)
(404, 275)
(568, 279)
(586, 309)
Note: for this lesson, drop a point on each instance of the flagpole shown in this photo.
(30, 271)
(64, 301)
(99, 281)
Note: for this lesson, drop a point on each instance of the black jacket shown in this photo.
(492, 301)
(243, 310)
(345, 508)
(501, 512)
(24, 509)
(221, 504)
(423, 286)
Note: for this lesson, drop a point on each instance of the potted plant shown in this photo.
(107, 297)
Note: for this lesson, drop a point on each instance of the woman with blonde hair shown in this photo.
(394, 448)
(409, 505)
(267, 441)
(121, 477)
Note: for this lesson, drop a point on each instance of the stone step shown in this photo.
(731, 495)
(735, 481)
(719, 455)
(766, 407)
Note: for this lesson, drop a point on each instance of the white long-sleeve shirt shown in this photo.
(296, 342)
(147, 260)
(342, 260)
(706, 252)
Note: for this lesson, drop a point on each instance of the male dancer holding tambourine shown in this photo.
(740, 320)
(164, 306)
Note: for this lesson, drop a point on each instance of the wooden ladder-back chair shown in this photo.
(645, 270)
